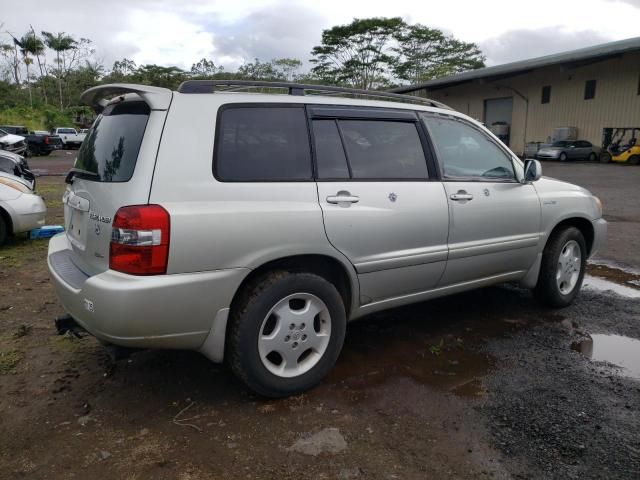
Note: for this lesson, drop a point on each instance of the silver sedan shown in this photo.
(569, 150)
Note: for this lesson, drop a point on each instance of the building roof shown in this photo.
(573, 58)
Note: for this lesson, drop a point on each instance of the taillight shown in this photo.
(46, 140)
(140, 240)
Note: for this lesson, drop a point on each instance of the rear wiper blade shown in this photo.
(80, 173)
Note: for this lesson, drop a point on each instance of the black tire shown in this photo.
(4, 231)
(547, 290)
(562, 157)
(247, 316)
(605, 157)
(45, 153)
(592, 157)
(634, 160)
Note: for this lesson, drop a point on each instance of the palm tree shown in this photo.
(30, 44)
(59, 43)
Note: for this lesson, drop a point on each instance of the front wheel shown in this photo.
(605, 157)
(562, 269)
(3, 231)
(563, 157)
(286, 333)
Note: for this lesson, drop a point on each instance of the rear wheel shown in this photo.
(45, 153)
(563, 157)
(592, 157)
(286, 333)
(634, 159)
(562, 269)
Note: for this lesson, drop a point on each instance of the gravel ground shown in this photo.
(480, 385)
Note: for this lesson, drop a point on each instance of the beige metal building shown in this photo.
(592, 89)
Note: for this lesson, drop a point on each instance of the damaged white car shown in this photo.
(12, 143)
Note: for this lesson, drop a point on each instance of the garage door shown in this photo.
(499, 110)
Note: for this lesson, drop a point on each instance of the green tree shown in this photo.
(358, 54)
(167, 77)
(286, 68)
(257, 70)
(424, 53)
(205, 69)
(60, 43)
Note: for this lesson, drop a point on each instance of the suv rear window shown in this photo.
(262, 143)
(110, 151)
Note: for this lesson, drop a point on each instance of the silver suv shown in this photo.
(253, 226)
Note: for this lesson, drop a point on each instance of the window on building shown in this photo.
(262, 144)
(467, 153)
(590, 89)
(546, 94)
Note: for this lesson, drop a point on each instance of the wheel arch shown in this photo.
(583, 224)
(333, 270)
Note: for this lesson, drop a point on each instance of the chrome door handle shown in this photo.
(461, 196)
(342, 197)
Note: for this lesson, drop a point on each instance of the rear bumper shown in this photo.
(161, 311)
(599, 235)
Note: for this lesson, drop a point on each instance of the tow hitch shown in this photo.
(66, 324)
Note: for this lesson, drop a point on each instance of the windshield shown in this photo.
(561, 144)
(66, 130)
(110, 149)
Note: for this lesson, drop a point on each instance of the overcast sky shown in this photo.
(181, 32)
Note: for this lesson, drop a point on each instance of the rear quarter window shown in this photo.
(110, 150)
(262, 143)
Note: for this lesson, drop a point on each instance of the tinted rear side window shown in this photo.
(256, 144)
(332, 162)
(110, 149)
(383, 150)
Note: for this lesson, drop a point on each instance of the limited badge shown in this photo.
(393, 197)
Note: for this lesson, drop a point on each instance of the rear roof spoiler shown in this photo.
(99, 97)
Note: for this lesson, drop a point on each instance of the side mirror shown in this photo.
(532, 170)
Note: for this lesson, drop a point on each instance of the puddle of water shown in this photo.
(616, 349)
(619, 275)
(597, 283)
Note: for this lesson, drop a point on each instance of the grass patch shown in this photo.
(9, 360)
(19, 251)
(68, 343)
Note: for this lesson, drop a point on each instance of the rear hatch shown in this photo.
(113, 169)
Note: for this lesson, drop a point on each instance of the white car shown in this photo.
(21, 209)
(12, 143)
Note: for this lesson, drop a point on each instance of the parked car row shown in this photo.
(20, 140)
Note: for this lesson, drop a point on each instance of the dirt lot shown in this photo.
(480, 385)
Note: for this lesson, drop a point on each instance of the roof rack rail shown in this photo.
(209, 86)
